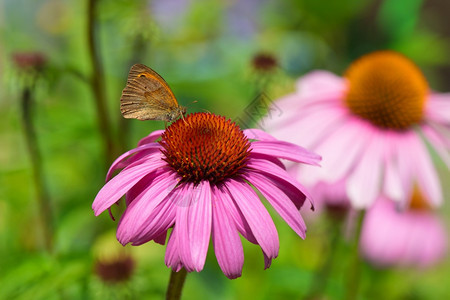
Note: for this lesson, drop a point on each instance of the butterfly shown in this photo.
(147, 96)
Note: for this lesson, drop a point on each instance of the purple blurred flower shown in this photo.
(368, 128)
(169, 13)
(390, 237)
(198, 180)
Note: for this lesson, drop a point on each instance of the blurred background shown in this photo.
(63, 65)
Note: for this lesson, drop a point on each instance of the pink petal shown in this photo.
(200, 224)
(161, 218)
(161, 239)
(391, 237)
(341, 152)
(136, 216)
(297, 197)
(435, 246)
(119, 185)
(141, 185)
(437, 108)
(284, 105)
(392, 185)
(239, 221)
(267, 261)
(285, 150)
(363, 185)
(405, 164)
(270, 158)
(226, 240)
(119, 162)
(278, 199)
(256, 215)
(322, 120)
(320, 82)
(258, 134)
(438, 142)
(424, 171)
(274, 172)
(182, 225)
(151, 137)
(172, 257)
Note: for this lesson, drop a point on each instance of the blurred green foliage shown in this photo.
(204, 51)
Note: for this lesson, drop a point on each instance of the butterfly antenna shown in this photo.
(182, 112)
(182, 116)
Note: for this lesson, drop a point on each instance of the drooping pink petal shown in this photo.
(141, 185)
(270, 158)
(437, 108)
(435, 246)
(408, 238)
(286, 105)
(267, 261)
(363, 185)
(161, 239)
(405, 167)
(438, 142)
(297, 197)
(120, 162)
(425, 173)
(286, 150)
(392, 184)
(258, 134)
(182, 226)
(280, 201)
(333, 194)
(239, 220)
(320, 82)
(226, 240)
(200, 214)
(151, 137)
(172, 257)
(340, 151)
(161, 218)
(283, 115)
(136, 216)
(298, 131)
(271, 170)
(113, 190)
(256, 215)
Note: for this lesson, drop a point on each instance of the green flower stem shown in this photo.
(321, 277)
(175, 286)
(43, 199)
(97, 81)
(137, 56)
(354, 270)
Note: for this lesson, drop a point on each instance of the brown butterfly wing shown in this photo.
(147, 96)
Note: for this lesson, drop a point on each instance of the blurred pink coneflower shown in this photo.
(368, 126)
(396, 237)
(199, 179)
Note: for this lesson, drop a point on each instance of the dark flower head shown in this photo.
(264, 62)
(115, 270)
(28, 61)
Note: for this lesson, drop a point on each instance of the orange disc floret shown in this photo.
(387, 89)
(418, 202)
(204, 146)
